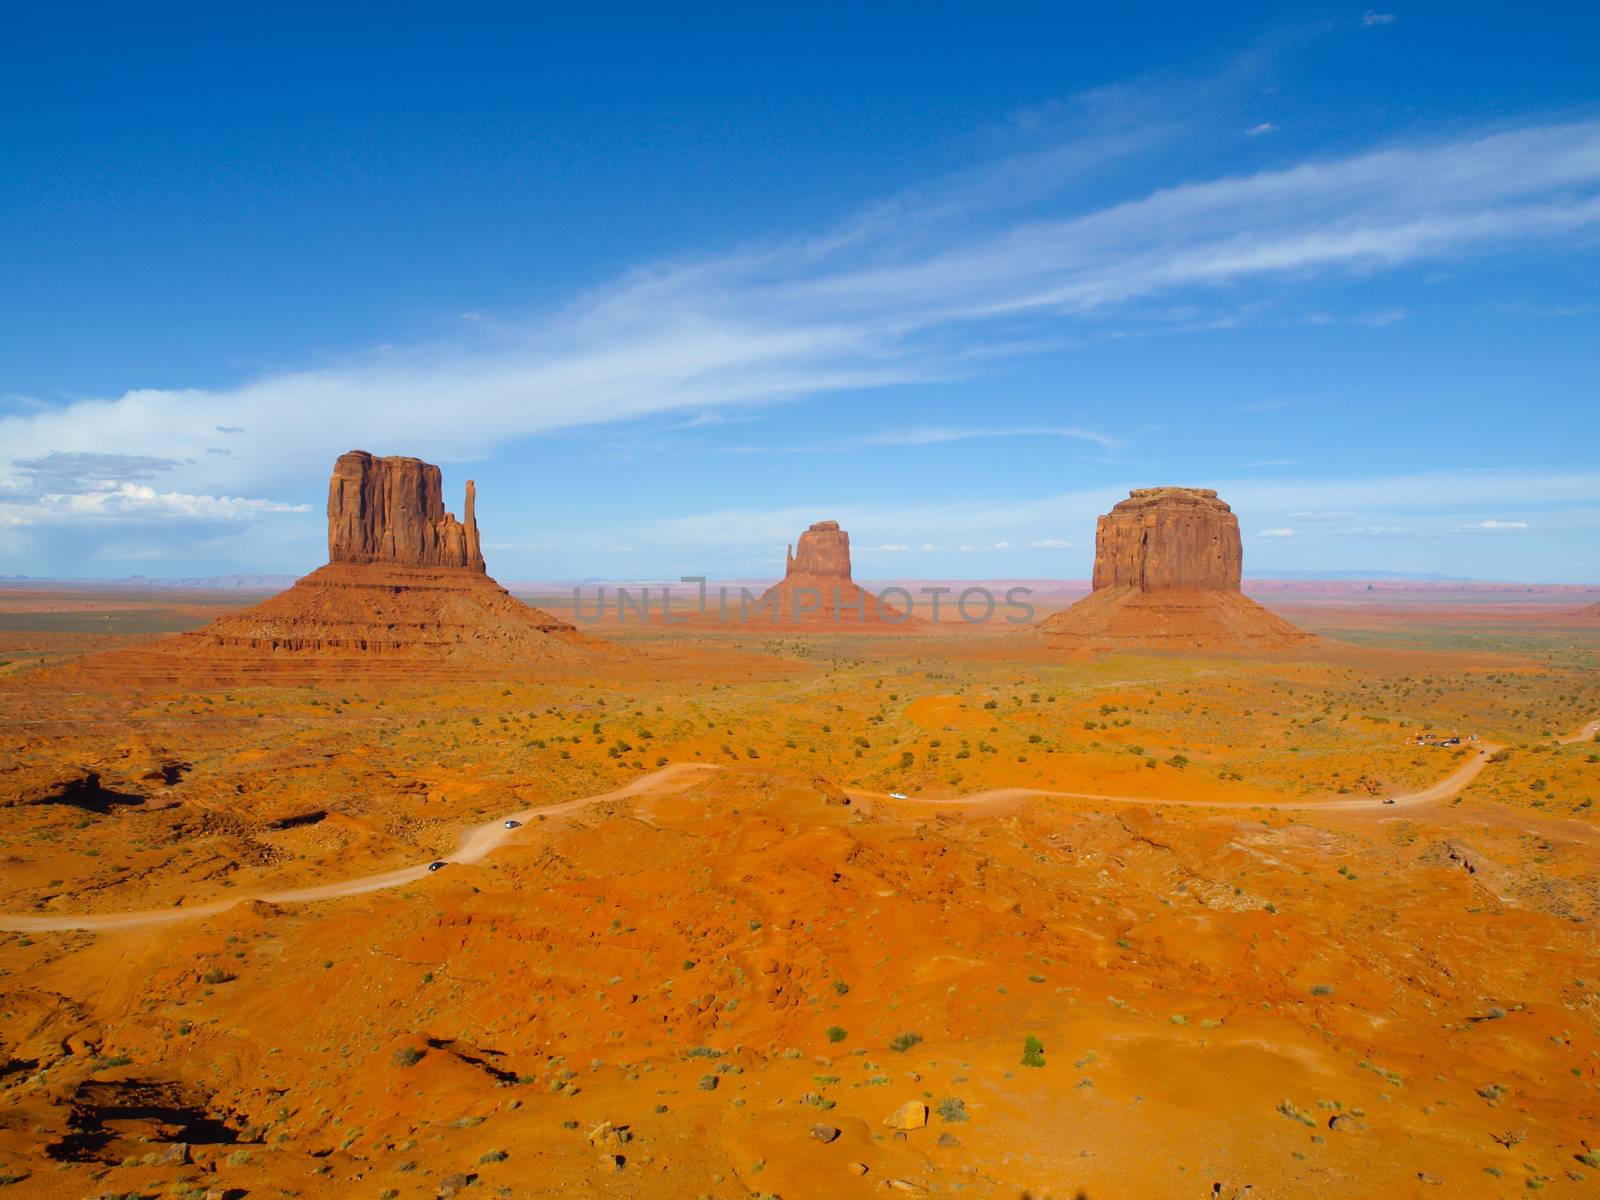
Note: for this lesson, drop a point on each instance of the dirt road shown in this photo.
(480, 840)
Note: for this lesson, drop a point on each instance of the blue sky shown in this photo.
(672, 286)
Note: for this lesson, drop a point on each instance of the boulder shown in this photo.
(913, 1114)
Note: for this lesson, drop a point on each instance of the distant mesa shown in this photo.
(405, 580)
(1167, 568)
(1592, 612)
(817, 590)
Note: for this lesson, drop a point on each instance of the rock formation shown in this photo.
(1168, 537)
(405, 582)
(391, 510)
(1167, 568)
(1593, 612)
(824, 553)
(817, 590)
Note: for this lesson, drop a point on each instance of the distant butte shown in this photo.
(405, 591)
(817, 590)
(1167, 570)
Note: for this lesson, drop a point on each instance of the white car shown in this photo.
(898, 796)
(513, 824)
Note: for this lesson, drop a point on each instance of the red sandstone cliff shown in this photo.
(1167, 567)
(405, 582)
(391, 510)
(1168, 537)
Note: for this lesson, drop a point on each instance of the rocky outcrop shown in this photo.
(405, 584)
(1167, 567)
(1169, 537)
(1592, 612)
(824, 553)
(817, 591)
(391, 510)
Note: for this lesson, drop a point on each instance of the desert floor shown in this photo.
(715, 936)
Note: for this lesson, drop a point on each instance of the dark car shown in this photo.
(434, 866)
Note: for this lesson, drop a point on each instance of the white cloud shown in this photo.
(1498, 525)
(1052, 544)
(1263, 128)
(922, 287)
(1321, 516)
(938, 436)
(137, 501)
(1369, 19)
(1277, 533)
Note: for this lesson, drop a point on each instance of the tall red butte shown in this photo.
(1167, 569)
(818, 592)
(404, 580)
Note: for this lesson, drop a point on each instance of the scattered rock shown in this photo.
(857, 1168)
(612, 1162)
(913, 1114)
(905, 1186)
(606, 1136)
(451, 1185)
(949, 1139)
(175, 1155)
(824, 1133)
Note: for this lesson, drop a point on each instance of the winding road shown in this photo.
(480, 840)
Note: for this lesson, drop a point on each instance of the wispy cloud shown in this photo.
(1277, 533)
(928, 286)
(938, 436)
(1370, 19)
(1258, 130)
(1498, 525)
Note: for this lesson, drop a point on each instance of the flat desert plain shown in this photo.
(791, 913)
